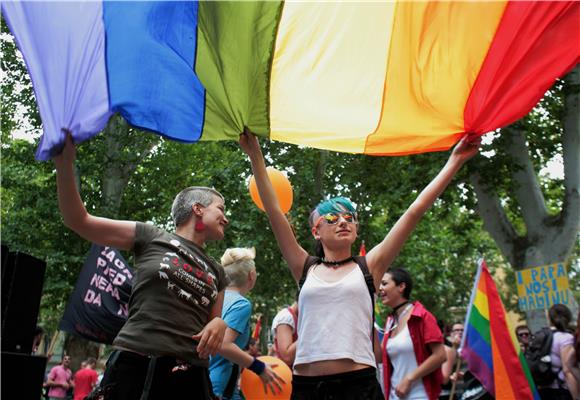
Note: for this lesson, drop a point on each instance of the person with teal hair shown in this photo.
(334, 354)
(332, 206)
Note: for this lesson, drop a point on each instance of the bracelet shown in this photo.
(257, 367)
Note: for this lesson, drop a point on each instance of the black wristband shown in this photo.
(257, 367)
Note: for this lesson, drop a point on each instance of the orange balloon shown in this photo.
(253, 388)
(282, 187)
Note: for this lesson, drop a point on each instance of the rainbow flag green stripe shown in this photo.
(234, 53)
(524, 364)
(480, 324)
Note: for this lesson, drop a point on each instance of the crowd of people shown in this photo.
(188, 330)
(61, 383)
(417, 339)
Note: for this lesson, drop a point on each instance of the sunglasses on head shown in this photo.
(333, 218)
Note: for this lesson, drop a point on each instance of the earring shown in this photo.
(199, 226)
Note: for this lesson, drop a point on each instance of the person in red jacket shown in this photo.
(412, 348)
(85, 380)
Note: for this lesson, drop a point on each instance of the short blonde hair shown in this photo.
(238, 262)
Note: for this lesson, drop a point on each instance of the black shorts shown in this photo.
(130, 376)
(355, 385)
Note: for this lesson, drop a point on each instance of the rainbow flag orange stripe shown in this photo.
(490, 346)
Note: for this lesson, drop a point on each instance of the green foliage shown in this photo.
(17, 94)
(31, 224)
(148, 171)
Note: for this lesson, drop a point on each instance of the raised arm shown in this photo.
(102, 231)
(381, 256)
(449, 364)
(292, 252)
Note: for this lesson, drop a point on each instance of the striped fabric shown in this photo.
(387, 78)
(490, 347)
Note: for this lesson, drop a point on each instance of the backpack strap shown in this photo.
(309, 262)
(362, 264)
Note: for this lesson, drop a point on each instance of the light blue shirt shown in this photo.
(236, 313)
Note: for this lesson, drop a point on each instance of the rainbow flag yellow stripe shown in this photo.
(384, 78)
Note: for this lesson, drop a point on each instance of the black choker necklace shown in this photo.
(336, 264)
(399, 306)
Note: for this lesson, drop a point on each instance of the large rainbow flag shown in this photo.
(382, 78)
(490, 347)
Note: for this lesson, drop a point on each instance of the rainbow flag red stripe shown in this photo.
(490, 347)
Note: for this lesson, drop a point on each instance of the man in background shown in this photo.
(59, 380)
(524, 336)
(85, 379)
(253, 348)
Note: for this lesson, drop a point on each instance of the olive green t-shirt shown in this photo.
(175, 285)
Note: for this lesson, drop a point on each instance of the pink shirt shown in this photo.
(59, 375)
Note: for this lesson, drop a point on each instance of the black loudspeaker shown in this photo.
(22, 281)
(22, 376)
(4, 255)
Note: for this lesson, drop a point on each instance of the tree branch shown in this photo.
(527, 188)
(494, 218)
(119, 166)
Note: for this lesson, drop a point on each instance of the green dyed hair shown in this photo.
(332, 205)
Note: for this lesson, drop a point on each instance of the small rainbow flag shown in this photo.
(490, 347)
(363, 250)
(257, 328)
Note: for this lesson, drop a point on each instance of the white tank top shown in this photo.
(402, 357)
(335, 320)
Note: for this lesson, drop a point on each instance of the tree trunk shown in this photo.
(80, 349)
(548, 239)
(319, 175)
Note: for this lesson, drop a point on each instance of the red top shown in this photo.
(85, 380)
(423, 330)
